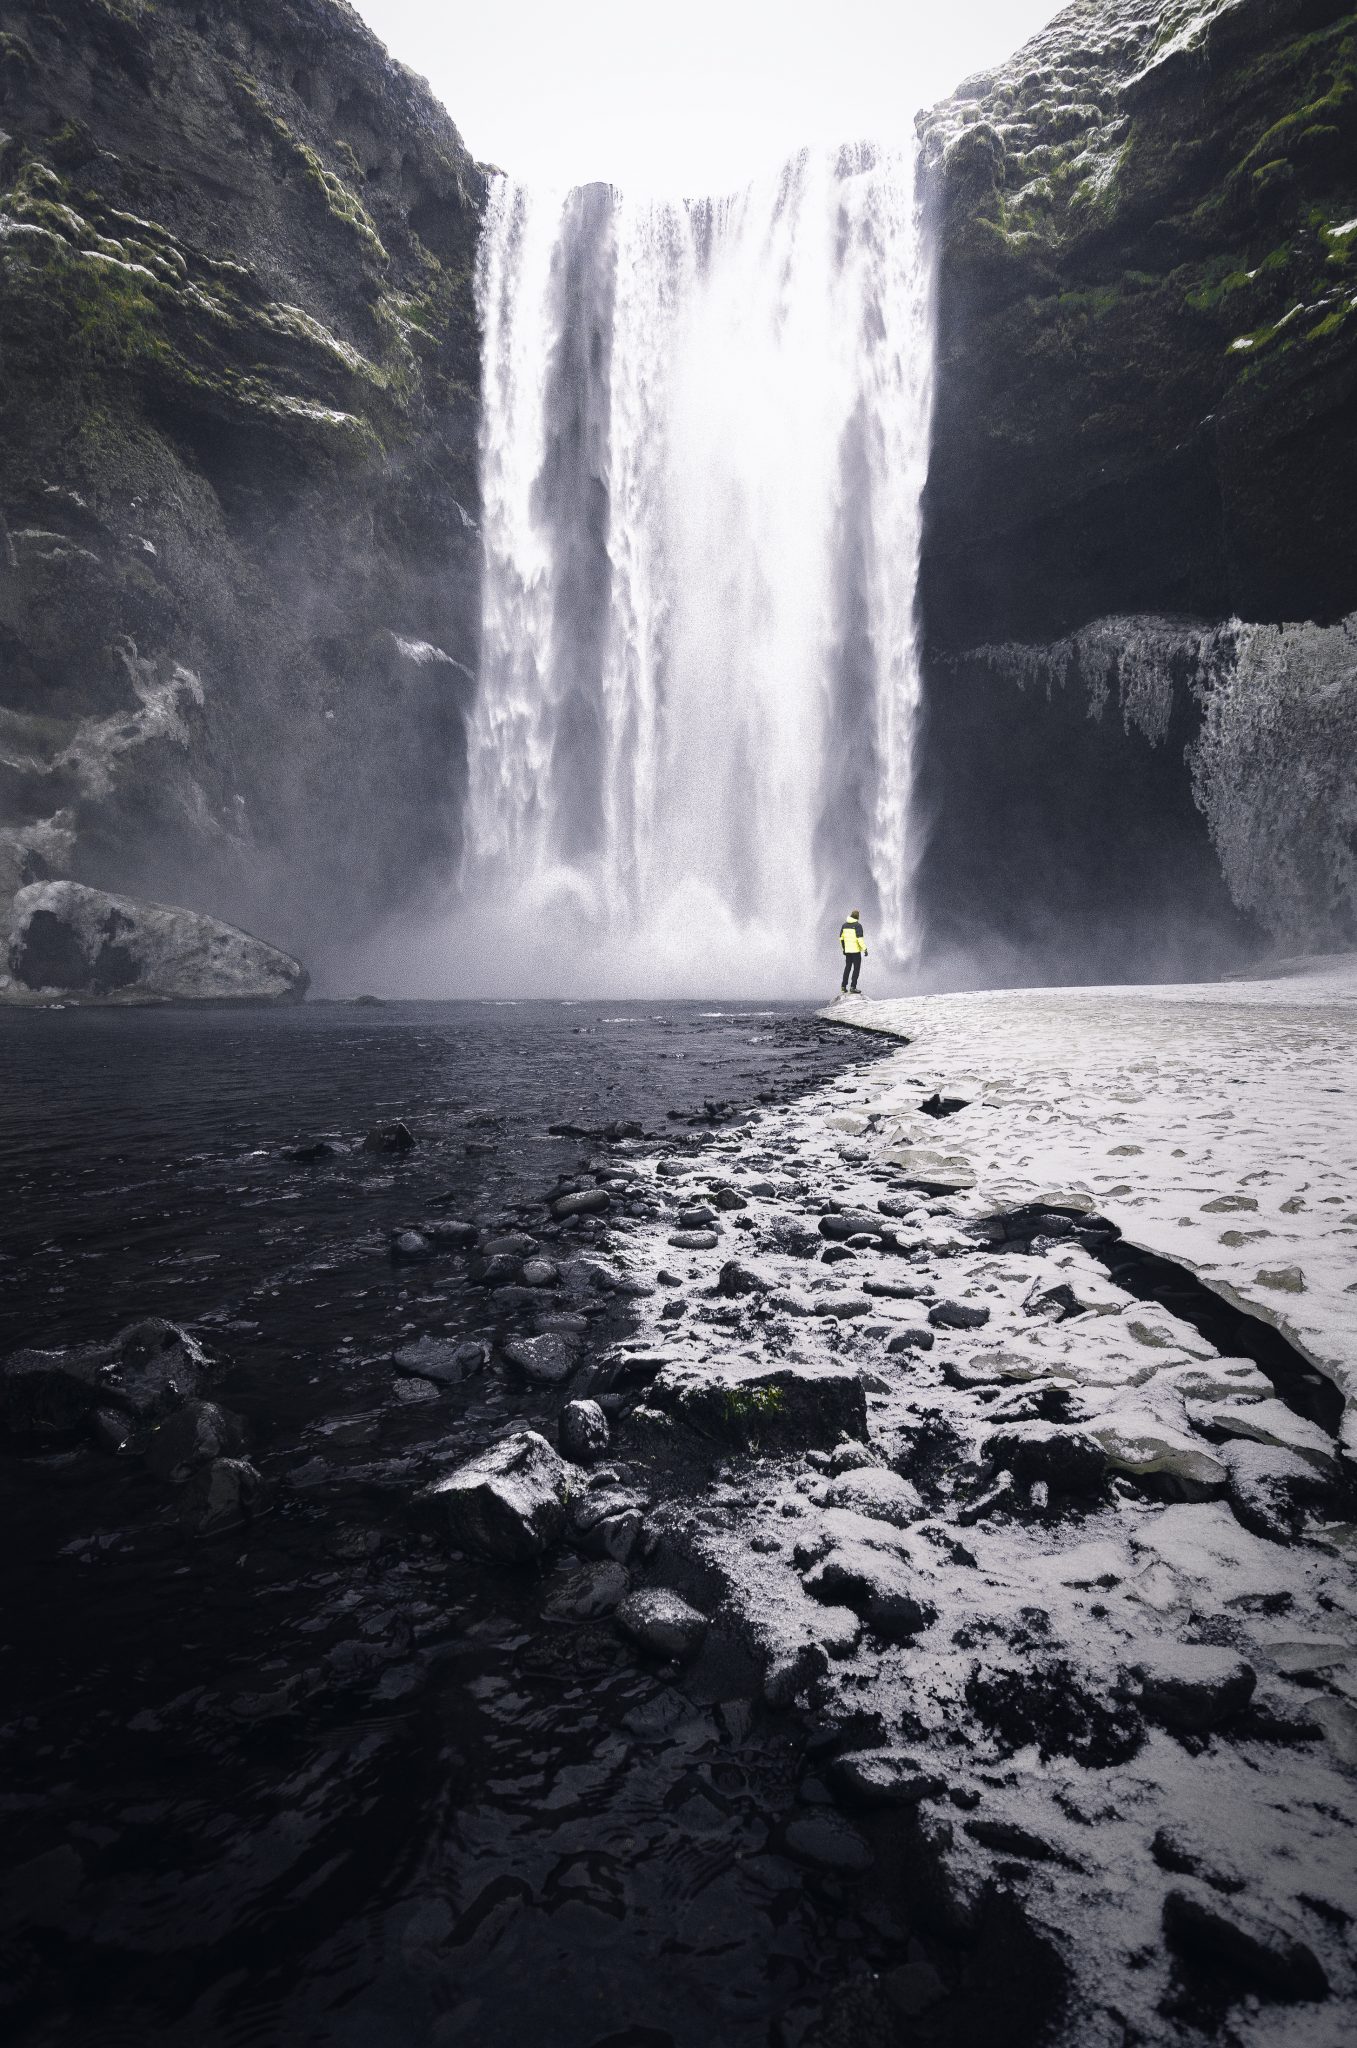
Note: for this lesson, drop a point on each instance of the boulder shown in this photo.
(694, 1240)
(219, 1496)
(851, 1223)
(392, 1139)
(147, 1371)
(583, 1431)
(876, 1585)
(882, 1777)
(548, 1360)
(1250, 1952)
(735, 1278)
(783, 1406)
(662, 1623)
(1165, 1463)
(591, 1202)
(881, 1494)
(1268, 1488)
(957, 1315)
(589, 1594)
(1067, 1459)
(510, 1501)
(445, 1360)
(932, 1173)
(194, 1435)
(1192, 1687)
(76, 943)
(910, 1340)
(608, 1523)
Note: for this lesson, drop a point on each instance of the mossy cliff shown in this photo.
(1146, 409)
(238, 550)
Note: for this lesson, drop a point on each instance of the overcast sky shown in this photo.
(695, 98)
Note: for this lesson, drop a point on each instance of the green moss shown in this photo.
(14, 52)
(748, 1410)
(295, 154)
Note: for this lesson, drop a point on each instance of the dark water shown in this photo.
(313, 1781)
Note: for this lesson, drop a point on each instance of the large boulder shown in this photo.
(780, 1406)
(146, 1372)
(69, 941)
(510, 1501)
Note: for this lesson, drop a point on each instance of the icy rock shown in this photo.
(877, 1586)
(788, 1406)
(933, 1173)
(219, 1496)
(69, 940)
(847, 1456)
(957, 1315)
(1175, 1848)
(1062, 1709)
(1167, 1463)
(192, 1436)
(884, 1495)
(735, 1278)
(510, 1501)
(1068, 1460)
(583, 1431)
(547, 1360)
(1267, 1422)
(882, 1777)
(589, 1594)
(662, 1623)
(1251, 1953)
(607, 1523)
(1268, 1488)
(910, 1340)
(1193, 1686)
(1216, 1379)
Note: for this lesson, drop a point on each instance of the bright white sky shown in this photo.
(695, 98)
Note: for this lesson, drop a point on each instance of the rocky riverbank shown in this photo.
(909, 1444)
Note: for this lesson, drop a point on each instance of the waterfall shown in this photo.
(703, 446)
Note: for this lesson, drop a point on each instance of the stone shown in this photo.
(882, 1777)
(876, 1585)
(1068, 1460)
(853, 1223)
(393, 1139)
(413, 1393)
(897, 1290)
(828, 1841)
(409, 1245)
(1168, 1465)
(445, 1360)
(1251, 1953)
(447, 1234)
(607, 1523)
(66, 940)
(736, 1278)
(548, 1360)
(662, 1623)
(932, 1173)
(147, 1371)
(219, 1496)
(783, 1406)
(508, 1502)
(697, 1218)
(727, 1199)
(1268, 1488)
(540, 1273)
(498, 1269)
(957, 1315)
(694, 1240)
(914, 1339)
(1192, 1687)
(583, 1431)
(881, 1494)
(1175, 1848)
(589, 1594)
(192, 1436)
(590, 1202)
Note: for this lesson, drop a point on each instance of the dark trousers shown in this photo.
(852, 967)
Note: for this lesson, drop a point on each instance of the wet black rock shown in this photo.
(583, 1432)
(608, 1523)
(219, 1497)
(663, 1623)
(540, 1273)
(448, 1235)
(391, 1139)
(409, 1246)
(1065, 1458)
(73, 941)
(957, 1315)
(1009, 1839)
(194, 1435)
(1243, 1950)
(445, 1360)
(589, 1594)
(736, 1278)
(548, 1360)
(1193, 1686)
(827, 1841)
(510, 1501)
(499, 1269)
(147, 1371)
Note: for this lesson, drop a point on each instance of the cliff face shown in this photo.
(1146, 424)
(238, 552)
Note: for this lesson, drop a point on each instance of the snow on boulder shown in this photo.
(510, 1501)
(787, 1406)
(1192, 1686)
(663, 1623)
(67, 941)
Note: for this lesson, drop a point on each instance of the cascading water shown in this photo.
(703, 447)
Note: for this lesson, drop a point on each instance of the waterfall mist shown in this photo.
(703, 445)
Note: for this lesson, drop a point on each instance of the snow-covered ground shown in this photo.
(1215, 1124)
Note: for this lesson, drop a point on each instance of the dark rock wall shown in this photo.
(1146, 404)
(239, 564)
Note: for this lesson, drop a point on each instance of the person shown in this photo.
(854, 946)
